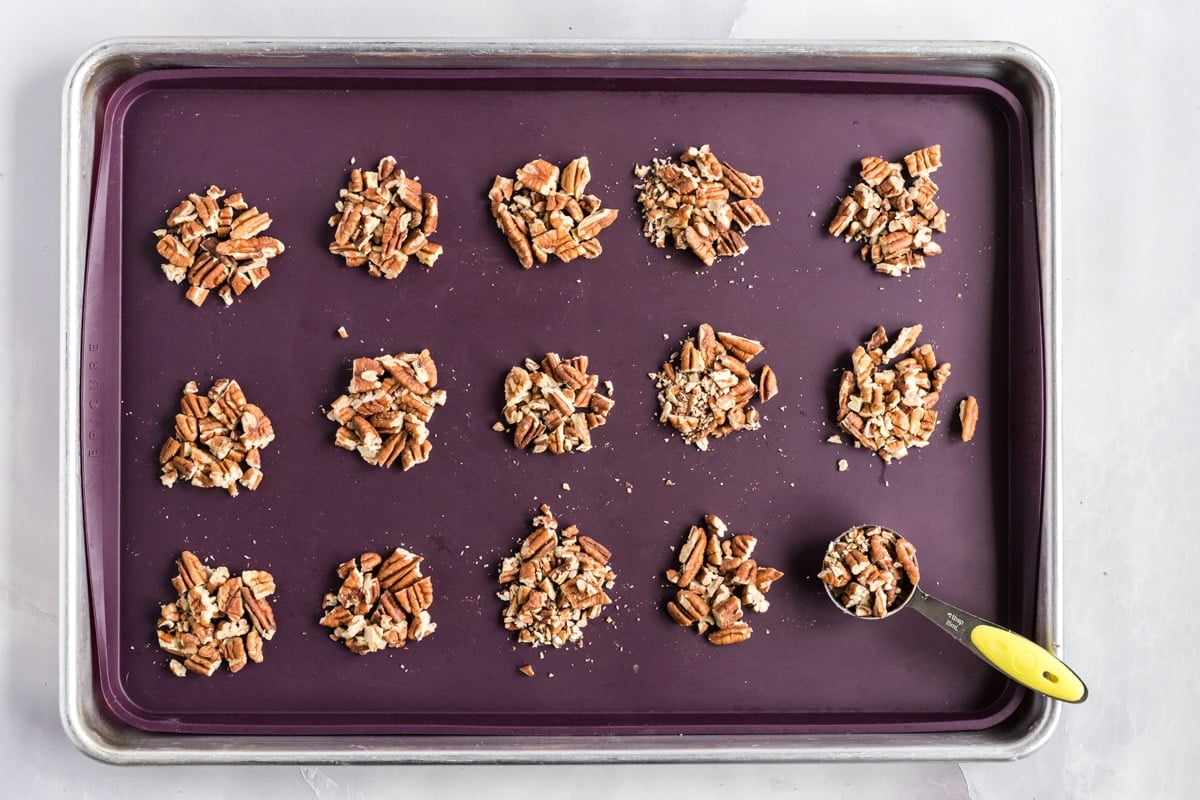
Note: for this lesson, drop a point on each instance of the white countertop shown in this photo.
(1131, 120)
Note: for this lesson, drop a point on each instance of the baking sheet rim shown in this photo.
(98, 736)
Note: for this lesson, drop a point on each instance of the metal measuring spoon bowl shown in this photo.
(871, 572)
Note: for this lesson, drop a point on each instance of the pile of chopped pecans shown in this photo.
(689, 203)
(718, 579)
(894, 221)
(216, 246)
(543, 211)
(869, 569)
(706, 387)
(554, 584)
(383, 219)
(382, 603)
(217, 618)
(889, 408)
(217, 439)
(554, 405)
(384, 413)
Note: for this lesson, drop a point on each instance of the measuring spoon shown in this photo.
(1021, 659)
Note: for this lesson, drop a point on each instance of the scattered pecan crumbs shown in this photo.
(870, 569)
(526, 670)
(554, 405)
(968, 417)
(216, 245)
(217, 440)
(342, 333)
(718, 579)
(895, 222)
(543, 211)
(706, 387)
(689, 203)
(382, 603)
(554, 584)
(385, 411)
(889, 408)
(217, 618)
(383, 219)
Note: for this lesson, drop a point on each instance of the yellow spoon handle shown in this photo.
(1021, 659)
(1027, 663)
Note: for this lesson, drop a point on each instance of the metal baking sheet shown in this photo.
(148, 127)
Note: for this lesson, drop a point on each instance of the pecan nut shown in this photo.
(260, 583)
(191, 571)
(261, 615)
(395, 571)
(691, 556)
(575, 177)
(968, 417)
(735, 633)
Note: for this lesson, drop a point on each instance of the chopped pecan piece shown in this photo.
(382, 219)
(543, 211)
(717, 581)
(261, 583)
(207, 625)
(705, 388)
(205, 245)
(924, 161)
(381, 603)
(553, 405)
(385, 412)
(689, 204)
(555, 584)
(888, 406)
(894, 222)
(217, 439)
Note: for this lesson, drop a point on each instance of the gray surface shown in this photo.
(1128, 118)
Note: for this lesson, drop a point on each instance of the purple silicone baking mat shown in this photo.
(287, 140)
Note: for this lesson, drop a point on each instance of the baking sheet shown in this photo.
(973, 510)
